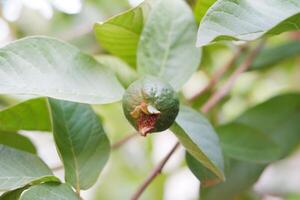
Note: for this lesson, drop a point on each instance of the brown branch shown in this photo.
(119, 143)
(217, 96)
(218, 74)
(156, 171)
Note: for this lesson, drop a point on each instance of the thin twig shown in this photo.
(156, 171)
(123, 141)
(218, 74)
(217, 96)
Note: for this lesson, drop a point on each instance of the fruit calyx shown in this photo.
(146, 117)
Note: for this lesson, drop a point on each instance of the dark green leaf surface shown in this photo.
(81, 142)
(28, 115)
(248, 19)
(273, 55)
(199, 138)
(206, 177)
(13, 195)
(239, 177)
(18, 168)
(17, 141)
(279, 118)
(48, 67)
(49, 191)
(246, 143)
(167, 46)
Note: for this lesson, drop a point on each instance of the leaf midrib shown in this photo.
(72, 149)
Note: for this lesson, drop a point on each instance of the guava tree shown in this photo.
(152, 51)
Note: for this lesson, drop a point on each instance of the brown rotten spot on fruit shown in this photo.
(146, 117)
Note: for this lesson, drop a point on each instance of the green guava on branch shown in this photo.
(150, 105)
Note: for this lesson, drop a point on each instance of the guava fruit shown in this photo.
(150, 105)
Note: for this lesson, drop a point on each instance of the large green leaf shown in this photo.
(17, 141)
(81, 141)
(248, 19)
(271, 56)
(167, 46)
(18, 168)
(120, 34)
(49, 191)
(29, 115)
(246, 143)
(124, 73)
(48, 67)
(240, 176)
(201, 8)
(279, 118)
(199, 138)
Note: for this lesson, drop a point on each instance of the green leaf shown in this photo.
(240, 176)
(271, 56)
(246, 143)
(17, 141)
(167, 46)
(248, 19)
(49, 191)
(48, 67)
(13, 195)
(18, 169)
(120, 34)
(201, 8)
(29, 115)
(199, 138)
(206, 177)
(279, 118)
(81, 141)
(123, 72)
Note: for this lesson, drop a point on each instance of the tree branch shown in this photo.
(210, 103)
(218, 74)
(119, 143)
(217, 96)
(156, 171)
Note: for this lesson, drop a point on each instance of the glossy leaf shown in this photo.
(28, 115)
(240, 176)
(248, 19)
(120, 34)
(18, 168)
(201, 8)
(48, 67)
(49, 191)
(246, 143)
(199, 138)
(167, 46)
(17, 141)
(279, 118)
(273, 55)
(81, 142)
(123, 72)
